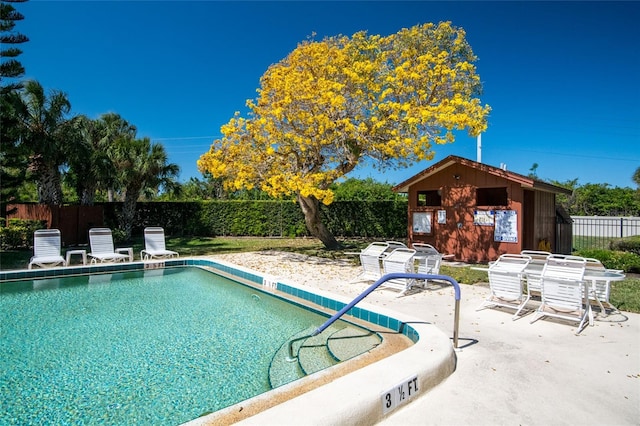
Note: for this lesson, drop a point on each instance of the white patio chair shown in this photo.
(429, 264)
(154, 245)
(46, 249)
(506, 283)
(428, 258)
(538, 259)
(424, 248)
(400, 260)
(600, 289)
(392, 245)
(102, 248)
(370, 261)
(564, 291)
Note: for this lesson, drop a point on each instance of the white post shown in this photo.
(479, 151)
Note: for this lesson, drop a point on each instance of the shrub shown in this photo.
(19, 233)
(627, 261)
(119, 236)
(629, 244)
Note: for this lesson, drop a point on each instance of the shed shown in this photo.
(478, 212)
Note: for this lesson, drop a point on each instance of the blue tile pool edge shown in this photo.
(312, 297)
(261, 282)
(231, 271)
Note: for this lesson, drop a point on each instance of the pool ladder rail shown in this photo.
(302, 337)
(314, 353)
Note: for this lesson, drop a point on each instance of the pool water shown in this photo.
(155, 347)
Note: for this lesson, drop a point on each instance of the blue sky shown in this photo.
(562, 78)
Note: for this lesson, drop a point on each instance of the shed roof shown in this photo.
(524, 181)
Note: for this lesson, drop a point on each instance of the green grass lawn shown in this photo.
(624, 294)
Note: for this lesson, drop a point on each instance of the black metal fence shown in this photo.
(596, 232)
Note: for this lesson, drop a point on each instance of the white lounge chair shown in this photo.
(422, 248)
(102, 249)
(154, 245)
(600, 290)
(429, 264)
(428, 258)
(564, 291)
(370, 261)
(46, 249)
(538, 259)
(400, 260)
(506, 283)
(392, 245)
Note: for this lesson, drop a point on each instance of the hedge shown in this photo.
(19, 232)
(368, 219)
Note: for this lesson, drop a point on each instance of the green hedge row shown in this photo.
(19, 232)
(630, 244)
(265, 218)
(627, 261)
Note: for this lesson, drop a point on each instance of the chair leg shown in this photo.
(517, 314)
(538, 314)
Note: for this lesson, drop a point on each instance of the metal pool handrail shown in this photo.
(393, 276)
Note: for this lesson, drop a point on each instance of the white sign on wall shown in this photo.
(506, 229)
(421, 222)
(483, 217)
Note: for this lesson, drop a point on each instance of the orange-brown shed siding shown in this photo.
(457, 180)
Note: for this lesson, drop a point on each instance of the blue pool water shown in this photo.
(156, 347)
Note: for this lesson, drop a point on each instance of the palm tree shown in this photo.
(90, 167)
(141, 165)
(42, 124)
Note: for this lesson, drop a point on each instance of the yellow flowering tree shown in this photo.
(331, 104)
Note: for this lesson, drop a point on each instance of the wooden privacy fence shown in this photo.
(73, 222)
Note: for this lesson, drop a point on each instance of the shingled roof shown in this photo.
(525, 181)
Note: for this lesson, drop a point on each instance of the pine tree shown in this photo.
(12, 159)
(10, 67)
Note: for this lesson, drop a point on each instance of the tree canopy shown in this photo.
(10, 66)
(332, 103)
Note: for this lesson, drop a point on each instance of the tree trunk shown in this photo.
(128, 212)
(87, 195)
(49, 186)
(311, 209)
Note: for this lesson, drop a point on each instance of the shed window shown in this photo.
(491, 197)
(429, 198)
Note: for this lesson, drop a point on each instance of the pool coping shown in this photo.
(364, 396)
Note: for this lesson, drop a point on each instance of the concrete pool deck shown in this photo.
(508, 372)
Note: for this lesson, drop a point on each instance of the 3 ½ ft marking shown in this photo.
(399, 394)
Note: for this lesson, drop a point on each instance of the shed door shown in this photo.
(528, 220)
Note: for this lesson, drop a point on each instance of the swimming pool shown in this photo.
(162, 346)
(429, 342)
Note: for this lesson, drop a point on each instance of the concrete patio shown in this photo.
(508, 372)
